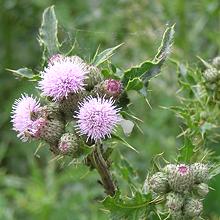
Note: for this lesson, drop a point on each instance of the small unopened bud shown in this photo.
(109, 88)
(180, 178)
(211, 74)
(177, 215)
(202, 189)
(158, 183)
(94, 78)
(69, 104)
(48, 125)
(200, 172)
(193, 207)
(216, 62)
(68, 144)
(174, 201)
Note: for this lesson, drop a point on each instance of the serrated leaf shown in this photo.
(134, 84)
(48, 32)
(186, 152)
(148, 69)
(104, 55)
(23, 73)
(127, 208)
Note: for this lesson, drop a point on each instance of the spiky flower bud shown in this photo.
(174, 201)
(177, 215)
(200, 172)
(158, 183)
(70, 104)
(202, 189)
(68, 144)
(49, 125)
(216, 62)
(94, 78)
(180, 178)
(211, 74)
(193, 207)
(109, 88)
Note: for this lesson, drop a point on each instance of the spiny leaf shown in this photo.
(104, 55)
(134, 84)
(128, 208)
(148, 69)
(48, 33)
(23, 73)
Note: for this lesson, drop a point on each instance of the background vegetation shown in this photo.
(34, 187)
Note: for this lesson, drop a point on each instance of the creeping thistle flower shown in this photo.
(180, 178)
(211, 74)
(23, 116)
(158, 183)
(63, 76)
(97, 118)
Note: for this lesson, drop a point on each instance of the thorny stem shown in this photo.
(102, 167)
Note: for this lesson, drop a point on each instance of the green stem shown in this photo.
(102, 167)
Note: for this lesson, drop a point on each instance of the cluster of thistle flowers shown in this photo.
(183, 186)
(73, 91)
(212, 77)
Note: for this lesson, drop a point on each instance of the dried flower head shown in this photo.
(63, 76)
(97, 118)
(23, 113)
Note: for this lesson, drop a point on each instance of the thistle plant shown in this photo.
(84, 105)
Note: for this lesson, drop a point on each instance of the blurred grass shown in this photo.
(33, 187)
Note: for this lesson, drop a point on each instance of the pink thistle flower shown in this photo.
(63, 76)
(23, 111)
(97, 118)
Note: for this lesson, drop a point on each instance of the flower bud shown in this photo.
(216, 62)
(94, 78)
(202, 189)
(158, 183)
(193, 207)
(200, 172)
(180, 178)
(174, 201)
(48, 124)
(109, 88)
(211, 74)
(68, 144)
(177, 215)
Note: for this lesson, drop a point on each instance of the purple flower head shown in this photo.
(97, 118)
(23, 111)
(63, 76)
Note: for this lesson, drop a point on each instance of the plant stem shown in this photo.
(101, 166)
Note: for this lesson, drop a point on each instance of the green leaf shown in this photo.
(48, 33)
(148, 69)
(104, 55)
(127, 208)
(134, 84)
(23, 73)
(117, 137)
(186, 152)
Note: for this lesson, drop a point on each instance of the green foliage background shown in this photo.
(32, 186)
